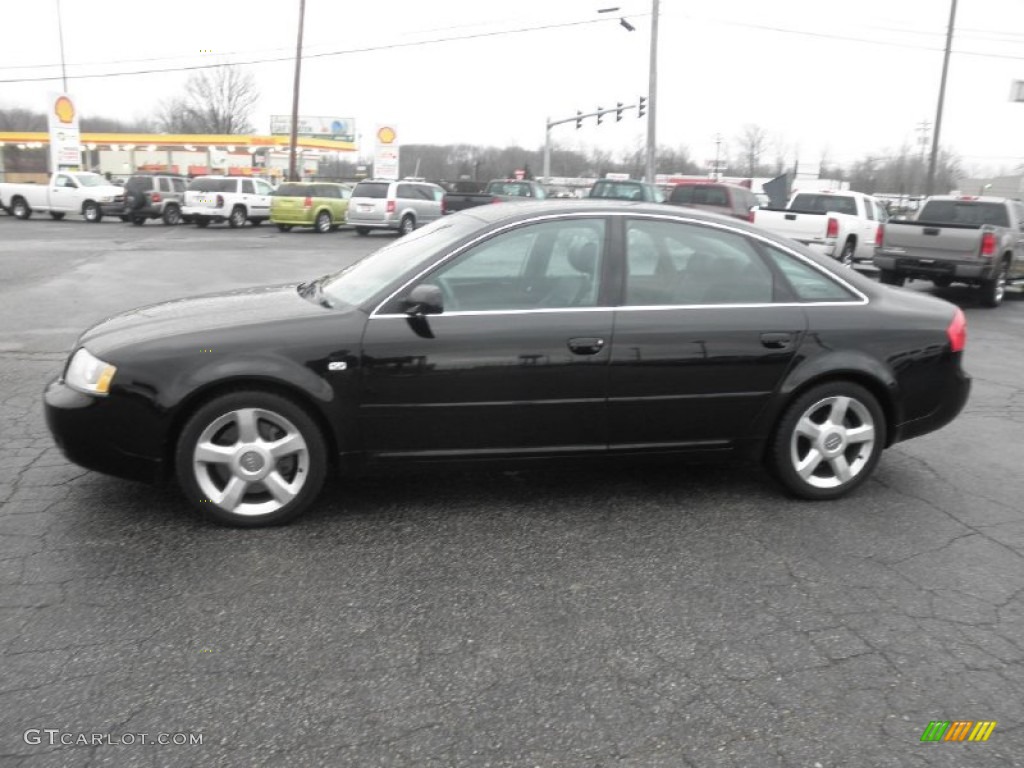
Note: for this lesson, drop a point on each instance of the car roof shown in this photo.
(597, 206)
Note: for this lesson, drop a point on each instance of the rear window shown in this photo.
(371, 189)
(509, 189)
(964, 212)
(212, 185)
(700, 194)
(292, 190)
(824, 204)
(139, 184)
(612, 190)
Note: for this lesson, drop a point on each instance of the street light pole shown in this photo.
(942, 97)
(295, 93)
(60, 32)
(652, 93)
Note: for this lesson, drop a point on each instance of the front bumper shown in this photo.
(96, 433)
(912, 266)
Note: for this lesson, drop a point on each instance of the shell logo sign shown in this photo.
(64, 110)
(386, 135)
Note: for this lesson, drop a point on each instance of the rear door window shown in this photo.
(247, 187)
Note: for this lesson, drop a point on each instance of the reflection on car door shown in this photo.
(700, 342)
(515, 364)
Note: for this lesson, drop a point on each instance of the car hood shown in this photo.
(265, 305)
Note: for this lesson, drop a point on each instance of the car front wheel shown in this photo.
(91, 213)
(251, 458)
(828, 441)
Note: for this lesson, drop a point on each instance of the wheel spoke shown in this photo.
(279, 488)
(809, 463)
(862, 434)
(233, 493)
(808, 428)
(210, 453)
(289, 444)
(246, 420)
(841, 467)
(837, 414)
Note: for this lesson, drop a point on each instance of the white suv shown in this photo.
(234, 199)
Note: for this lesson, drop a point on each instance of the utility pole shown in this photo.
(652, 94)
(930, 184)
(295, 93)
(60, 31)
(718, 145)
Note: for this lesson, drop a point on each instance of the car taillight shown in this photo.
(833, 228)
(879, 235)
(444, 205)
(155, 197)
(391, 206)
(495, 200)
(988, 244)
(957, 331)
(220, 201)
(308, 202)
(750, 217)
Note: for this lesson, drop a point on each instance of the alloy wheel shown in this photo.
(832, 442)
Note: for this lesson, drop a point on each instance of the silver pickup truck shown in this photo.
(974, 240)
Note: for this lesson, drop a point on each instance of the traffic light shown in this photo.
(579, 119)
(642, 106)
(599, 115)
(618, 111)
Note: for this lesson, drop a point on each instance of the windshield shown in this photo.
(91, 180)
(360, 282)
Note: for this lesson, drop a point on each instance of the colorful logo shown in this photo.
(386, 135)
(64, 109)
(958, 730)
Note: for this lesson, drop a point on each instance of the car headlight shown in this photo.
(88, 374)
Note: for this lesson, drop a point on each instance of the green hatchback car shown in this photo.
(318, 204)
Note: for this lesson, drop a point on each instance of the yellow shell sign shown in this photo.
(386, 135)
(64, 109)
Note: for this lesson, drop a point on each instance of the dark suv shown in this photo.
(154, 196)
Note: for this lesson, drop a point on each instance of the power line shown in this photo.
(327, 54)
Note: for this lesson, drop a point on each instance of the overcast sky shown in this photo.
(846, 78)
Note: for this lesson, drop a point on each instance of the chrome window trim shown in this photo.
(860, 301)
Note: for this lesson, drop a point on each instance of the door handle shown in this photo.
(776, 340)
(586, 345)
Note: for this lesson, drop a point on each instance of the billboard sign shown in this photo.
(65, 139)
(337, 128)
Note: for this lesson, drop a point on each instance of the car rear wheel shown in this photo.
(251, 458)
(202, 221)
(20, 209)
(285, 227)
(846, 257)
(888, 277)
(237, 217)
(138, 221)
(91, 212)
(828, 441)
(407, 225)
(992, 291)
(323, 222)
(362, 231)
(56, 216)
(172, 215)
(942, 282)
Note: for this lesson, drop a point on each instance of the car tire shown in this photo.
(172, 216)
(20, 209)
(56, 216)
(407, 225)
(362, 231)
(285, 227)
(992, 291)
(846, 256)
(125, 219)
(323, 222)
(237, 217)
(942, 282)
(138, 221)
(202, 222)
(888, 277)
(257, 222)
(91, 212)
(228, 467)
(828, 441)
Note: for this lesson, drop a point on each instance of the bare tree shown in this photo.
(218, 100)
(752, 144)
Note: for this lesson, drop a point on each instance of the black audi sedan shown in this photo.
(510, 332)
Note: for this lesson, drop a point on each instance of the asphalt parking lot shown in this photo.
(632, 616)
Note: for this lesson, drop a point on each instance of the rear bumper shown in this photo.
(956, 391)
(199, 211)
(912, 266)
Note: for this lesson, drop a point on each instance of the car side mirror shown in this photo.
(424, 299)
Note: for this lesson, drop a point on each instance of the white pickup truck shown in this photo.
(75, 192)
(841, 225)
